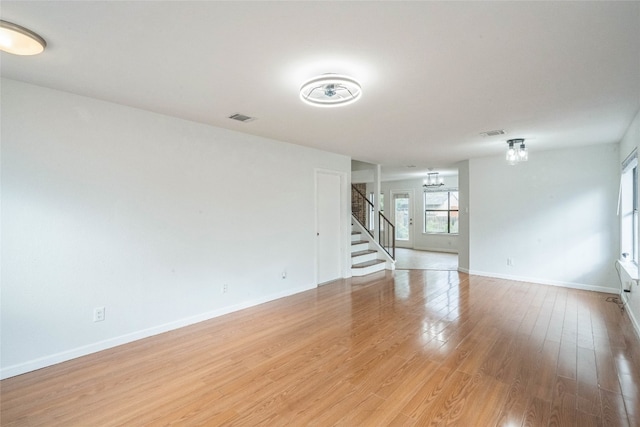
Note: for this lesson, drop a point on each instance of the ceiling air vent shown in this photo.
(493, 132)
(241, 118)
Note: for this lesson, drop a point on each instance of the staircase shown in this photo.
(364, 259)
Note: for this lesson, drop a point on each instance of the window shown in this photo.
(629, 208)
(441, 212)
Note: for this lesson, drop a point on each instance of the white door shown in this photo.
(402, 217)
(328, 227)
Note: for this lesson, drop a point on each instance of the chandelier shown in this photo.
(433, 180)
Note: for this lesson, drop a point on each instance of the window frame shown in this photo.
(634, 226)
(448, 211)
(628, 208)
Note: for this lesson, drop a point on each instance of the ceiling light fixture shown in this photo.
(330, 90)
(433, 180)
(18, 40)
(516, 155)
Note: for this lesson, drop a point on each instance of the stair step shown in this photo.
(359, 242)
(368, 263)
(365, 252)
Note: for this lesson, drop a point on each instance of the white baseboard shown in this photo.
(634, 322)
(632, 317)
(53, 359)
(443, 250)
(539, 281)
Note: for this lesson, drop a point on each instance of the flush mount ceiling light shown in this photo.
(516, 155)
(19, 40)
(330, 90)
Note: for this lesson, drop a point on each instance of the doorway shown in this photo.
(402, 217)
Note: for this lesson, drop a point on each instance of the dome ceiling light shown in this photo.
(330, 90)
(18, 40)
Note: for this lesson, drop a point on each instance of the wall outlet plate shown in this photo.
(98, 314)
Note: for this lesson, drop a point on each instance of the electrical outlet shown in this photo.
(98, 314)
(225, 288)
(510, 261)
(284, 274)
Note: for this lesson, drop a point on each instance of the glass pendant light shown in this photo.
(512, 156)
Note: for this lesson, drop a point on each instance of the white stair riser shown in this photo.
(363, 258)
(363, 271)
(359, 247)
(367, 270)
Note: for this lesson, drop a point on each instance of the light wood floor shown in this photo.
(413, 259)
(405, 348)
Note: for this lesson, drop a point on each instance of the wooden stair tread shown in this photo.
(365, 252)
(368, 263)
(359, 242)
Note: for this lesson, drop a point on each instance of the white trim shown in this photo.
(539, 281)
(631, 161)
(53, 359)
(634, 321)
(439, 249)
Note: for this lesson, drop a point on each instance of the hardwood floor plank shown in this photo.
(563, 404)
(546, 366)
(568, 359)
(613, 409)
(445, 403)
(563, 411)
(513, 409)
(481, 400)
(398, 348)
(606, 370)
(588, 396)
(588, 420)
(537, 413)
(632, 406)
(407, 390)
(429, 391)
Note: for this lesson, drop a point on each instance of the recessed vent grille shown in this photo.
(493, 132)
(241, 118)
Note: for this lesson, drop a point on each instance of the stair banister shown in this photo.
(383, 230)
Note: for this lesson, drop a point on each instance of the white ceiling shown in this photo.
(434, 74)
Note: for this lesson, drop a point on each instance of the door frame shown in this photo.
(345, 221)
(392, 204)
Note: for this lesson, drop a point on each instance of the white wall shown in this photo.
(146, 215)
(554, 216)
(463, 216)
(631, 141)
(421, 240)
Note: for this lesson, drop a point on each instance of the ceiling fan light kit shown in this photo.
(330, 90)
